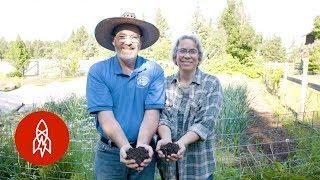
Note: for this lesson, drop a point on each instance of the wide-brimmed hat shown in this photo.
(104, 30)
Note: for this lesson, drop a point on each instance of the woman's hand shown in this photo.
(180, 153)
(161, 143)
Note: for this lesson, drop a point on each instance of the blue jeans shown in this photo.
(108, 166)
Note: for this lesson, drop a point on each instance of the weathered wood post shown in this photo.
(304, 86)
(284, 84)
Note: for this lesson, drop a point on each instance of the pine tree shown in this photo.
(314, 60)
(198, 25)
(18, 56)
(213, 41)
(294, 53)
(242, 41)
(316, 27)
(161, 50)
(76, 45)
(272, 49)
(3, 47)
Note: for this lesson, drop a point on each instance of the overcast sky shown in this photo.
(55, 19)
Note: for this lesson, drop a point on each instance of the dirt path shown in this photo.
(268, 137)
(31, 95)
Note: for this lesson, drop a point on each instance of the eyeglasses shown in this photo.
(133, 38)
(184, 52)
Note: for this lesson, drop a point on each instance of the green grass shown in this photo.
(11, 83)
(303, 159)
(77, 162)
(292, 97)
(232, 161)
(235, 117)
(41, 81)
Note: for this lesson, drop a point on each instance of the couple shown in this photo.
(132, 102)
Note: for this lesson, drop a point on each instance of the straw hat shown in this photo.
(104, 30)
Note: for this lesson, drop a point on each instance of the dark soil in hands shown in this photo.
(170, 148)
(139, 154)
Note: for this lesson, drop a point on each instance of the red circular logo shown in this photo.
(42, 138)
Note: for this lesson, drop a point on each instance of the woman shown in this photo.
(193, 102)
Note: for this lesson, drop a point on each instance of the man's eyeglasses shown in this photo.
(133, 38)
(184, 51)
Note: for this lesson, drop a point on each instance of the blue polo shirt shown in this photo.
(127, 96)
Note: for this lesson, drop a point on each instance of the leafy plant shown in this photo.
(272, 77)
(314, 61)
(18, 56)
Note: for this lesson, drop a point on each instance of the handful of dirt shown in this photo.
(139, 154)
(170, 148)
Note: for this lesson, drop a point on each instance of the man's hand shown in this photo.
(146, 161)
(180, 153)
(161, 143)
(131, 163)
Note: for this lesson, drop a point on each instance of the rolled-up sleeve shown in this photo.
(97, 92)
(165, 118)
(209, 112)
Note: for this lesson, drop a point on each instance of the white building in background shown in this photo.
(5, 67)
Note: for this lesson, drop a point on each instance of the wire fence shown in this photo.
(272, 147)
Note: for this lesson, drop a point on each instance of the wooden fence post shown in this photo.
(304, 86)
(284, 84)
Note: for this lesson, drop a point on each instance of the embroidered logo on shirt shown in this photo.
(142, 81)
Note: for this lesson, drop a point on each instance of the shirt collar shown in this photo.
(117, 67)
(196, 79)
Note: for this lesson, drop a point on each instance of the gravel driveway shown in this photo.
(31, 95)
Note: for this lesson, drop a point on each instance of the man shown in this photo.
(125, 92)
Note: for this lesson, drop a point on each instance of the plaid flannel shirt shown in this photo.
(194, 109)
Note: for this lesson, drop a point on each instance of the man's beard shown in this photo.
(128, 58)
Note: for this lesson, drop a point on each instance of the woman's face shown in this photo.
(187, 56)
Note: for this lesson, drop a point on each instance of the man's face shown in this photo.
(127, 42)
(187, 56)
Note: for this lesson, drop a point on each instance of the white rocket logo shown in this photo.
(42, 141)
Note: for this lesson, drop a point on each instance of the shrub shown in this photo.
(228, 64)
(76, 163)
(271, 78)
(314, 61)
(234, 117)
(14, 74)
(69, 67)
(9, 83)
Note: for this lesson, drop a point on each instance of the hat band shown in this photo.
(124, 26)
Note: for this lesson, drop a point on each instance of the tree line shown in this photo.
(230, 45)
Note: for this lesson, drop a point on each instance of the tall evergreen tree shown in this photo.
(91, 47)
(199, 26)
(314, 60)
(213, 41)
(161, 50)
(37, 49)
(18, 56)
(273, 50)
(316, 27)
(75, 46)
(242, 41)
(3, 47)
(294, 54)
